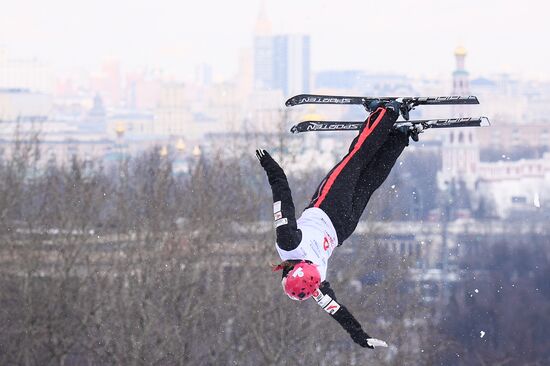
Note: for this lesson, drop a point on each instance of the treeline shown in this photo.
(134, 264)
(499, 313)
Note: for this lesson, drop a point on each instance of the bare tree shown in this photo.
(135, 264)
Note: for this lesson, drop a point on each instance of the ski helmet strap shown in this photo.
(326, 302)
(285, 267)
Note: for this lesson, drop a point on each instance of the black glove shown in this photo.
(360, 337)
(263, 156)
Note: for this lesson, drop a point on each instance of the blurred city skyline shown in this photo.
(178, 37)
(130, 194)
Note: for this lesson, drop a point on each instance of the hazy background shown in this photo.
(136, 224)
(390, 36)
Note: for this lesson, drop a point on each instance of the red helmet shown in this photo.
(302, 281)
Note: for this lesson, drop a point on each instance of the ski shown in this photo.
(319, 126)
(354, 100)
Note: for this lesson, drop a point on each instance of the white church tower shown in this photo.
(460, 149)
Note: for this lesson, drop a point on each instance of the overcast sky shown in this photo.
(399, 36)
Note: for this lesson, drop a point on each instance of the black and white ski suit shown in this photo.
(342, 195)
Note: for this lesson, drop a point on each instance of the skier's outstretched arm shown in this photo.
(288, 235)
(327, 300)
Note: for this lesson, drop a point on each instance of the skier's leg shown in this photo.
(376, 172)
(335, 194)
(371, 178)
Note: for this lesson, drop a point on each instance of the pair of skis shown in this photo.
(409, 103)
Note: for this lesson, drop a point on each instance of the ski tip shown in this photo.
(468, 99)
(294, 129)
(485, 122)
(292, 101)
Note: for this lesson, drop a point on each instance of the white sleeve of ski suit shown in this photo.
(326, 302)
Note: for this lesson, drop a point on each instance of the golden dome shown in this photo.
(180, 145)
(311, 115)
(460, 51)
(120, 128)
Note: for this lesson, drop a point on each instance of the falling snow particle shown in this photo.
(393, 186)
(481, 334)
(476, 291)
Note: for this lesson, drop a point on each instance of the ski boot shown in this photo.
(374, 105)
(397, 106)
(415, 130)
(411, 131)
(404, 108)
(392, 105)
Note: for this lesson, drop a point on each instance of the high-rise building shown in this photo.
(291, 63)
(263, 51)
(108, 83)
(203, 74)
(29, 74)
(281, 61)
(172, 115)
(142, 89)
(245, 80)
(22, 106)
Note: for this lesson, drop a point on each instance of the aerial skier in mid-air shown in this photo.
(306, 244)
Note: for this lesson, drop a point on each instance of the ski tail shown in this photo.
(322, 126)
(445, 100)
